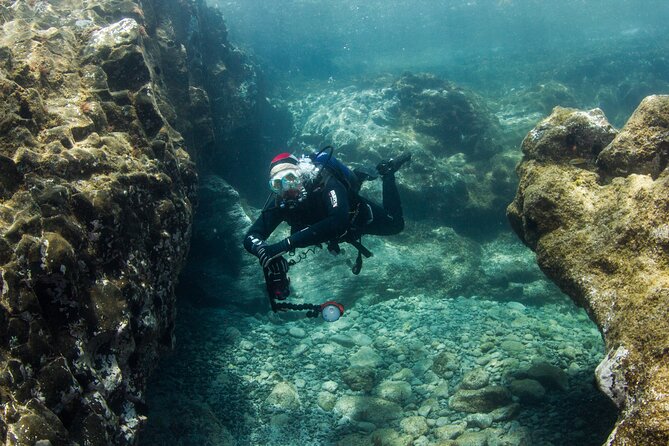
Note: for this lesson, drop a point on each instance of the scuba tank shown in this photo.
(327, 162)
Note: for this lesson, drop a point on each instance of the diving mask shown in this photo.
(285, 181)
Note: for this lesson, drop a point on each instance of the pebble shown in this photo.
(476, 379)
(397, 391)
(343, 340)
(352, 314)
(361, 339)
(329, 350)
(330, 386)
(297, 332)
(403, 375)
(414, 426)
(427, 407)
(283, 397)
(516, 306)
(479, 420)
(422, 366)
(441, 390)
(299, 349)
(366, 357)
(326, 401)
(513, 346)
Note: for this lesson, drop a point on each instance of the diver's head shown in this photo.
(284, 177)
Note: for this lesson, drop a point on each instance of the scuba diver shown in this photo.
(317, 196)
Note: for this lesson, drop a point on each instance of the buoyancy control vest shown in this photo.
(329, 165)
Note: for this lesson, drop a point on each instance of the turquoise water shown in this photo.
(349, 38)
(451, 332)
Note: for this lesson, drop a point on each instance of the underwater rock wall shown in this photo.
(98, 102)
(593, 203)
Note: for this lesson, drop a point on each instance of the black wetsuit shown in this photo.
(329, 213)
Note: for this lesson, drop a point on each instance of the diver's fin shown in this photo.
(393, 164)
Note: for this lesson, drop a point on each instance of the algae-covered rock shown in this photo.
(397, 391)
(283, 397)
(390, 437)
(97, 195)
(527, 390)
(450, 431)
(475, 379)
(458, 119)
(326, 401)
(414, 426)
(366, 408)
(547, 374)
(216, 255)
(444, 363)
(482, 400)
(569, 136)
(472, 439)
(642, 146)
(359, 377)
(600, 228)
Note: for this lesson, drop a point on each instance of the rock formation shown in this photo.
(593, 203)
(459, 164)
(98, 102)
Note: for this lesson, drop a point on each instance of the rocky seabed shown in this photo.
(407, 371)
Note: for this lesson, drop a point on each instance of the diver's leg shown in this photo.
(380, 220)
(389, 219)
(391, 197)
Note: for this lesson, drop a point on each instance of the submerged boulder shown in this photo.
(459, 166)
(593, 204)
(483, 400)
(367, 408)
(457, 119)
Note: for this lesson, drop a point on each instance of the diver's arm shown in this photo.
(262, 228)
(334, 225)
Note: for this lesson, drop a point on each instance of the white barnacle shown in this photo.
(610, 375)
(5, 284)
(660, 233)
(44, 252)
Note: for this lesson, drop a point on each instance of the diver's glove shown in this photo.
(276, 278)
(266, 253)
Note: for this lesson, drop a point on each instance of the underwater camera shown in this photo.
(278, 289)
(331, 310)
